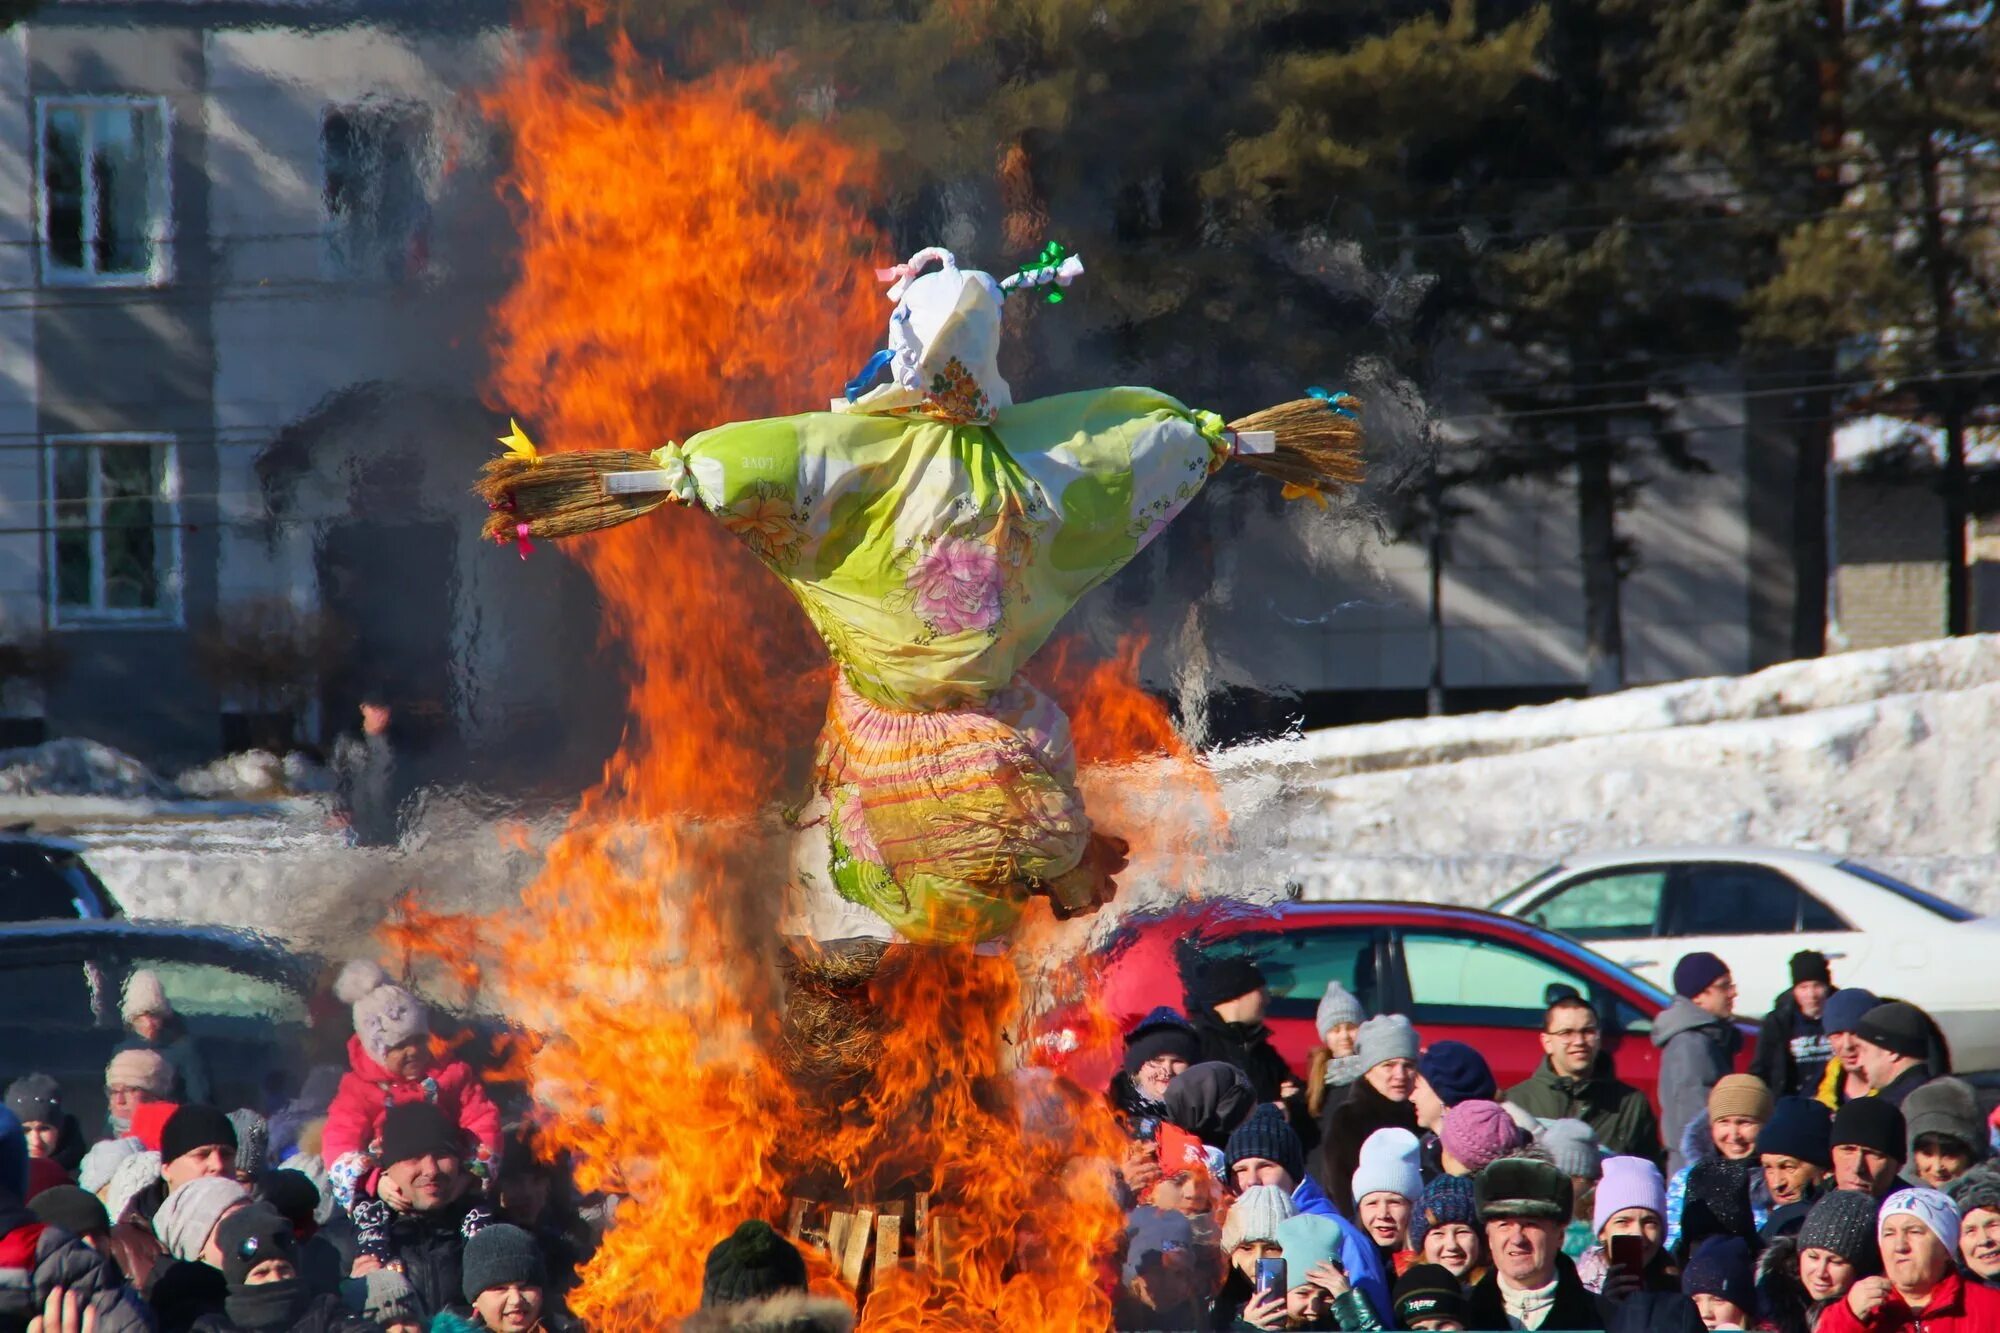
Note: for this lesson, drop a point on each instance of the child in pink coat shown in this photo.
(389, 1063)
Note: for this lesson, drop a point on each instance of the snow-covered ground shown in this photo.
(1887, 756)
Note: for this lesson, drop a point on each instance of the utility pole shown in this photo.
(1434, 501)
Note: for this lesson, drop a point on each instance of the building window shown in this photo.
(115, 548)
(105, 192)
(378, 163)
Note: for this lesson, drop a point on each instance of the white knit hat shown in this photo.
(385, 1014)
(190, 1213)
(1255, 1216)
(1931, 1207)
(1389, 1166)
(131, 1177)
(145, 995)
(101, 1162)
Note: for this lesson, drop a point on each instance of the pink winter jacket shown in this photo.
(367, 1091)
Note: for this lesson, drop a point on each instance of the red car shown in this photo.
(1461, 974)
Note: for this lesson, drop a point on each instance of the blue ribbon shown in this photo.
(1333, 401)
(876, 363)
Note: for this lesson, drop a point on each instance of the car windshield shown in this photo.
(1506, 901)
(1930, 902)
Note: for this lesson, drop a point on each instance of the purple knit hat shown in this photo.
(1479, 1133)
(1629, 1182)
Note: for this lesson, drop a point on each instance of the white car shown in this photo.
(1756, 907)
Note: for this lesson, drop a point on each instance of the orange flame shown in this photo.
(688, 258)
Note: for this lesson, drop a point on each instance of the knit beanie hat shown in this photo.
(1976, 1191)
(101, 1159)
(1385, 1037)
(13, 1158)
(1843, 1221)
(1162, 1032)
(1873, 1123)
(251, 1236)
(144, 995)
(1335, 1007)
(35, 1097)
(149, 1123)
(190, 1213)
(1478, 1132)
(502, 1255)
(1152, 1233)
(1740, 1094)
(1717, 1202)
(751, 1264)
(1389, 1166)
(1209, 1100)
(72, 1209)
(193, 1127)
(1429, 1291)
(1447, 1201)
(1845, 1008)
(1801, 1128)
(145, 1070)
(132, 1177)
(1810, 965)
(1946, 1106)
(1523, 1187)
(1308, 1241)
(292, 1193)
(418, 1129)
(1255, 1216)
(253, 1140)
(1457, 1073)
(1933, 1208)
(1572, 1145)
(1220, 980)
(1696, 972)
(385, 1014)
(383, 1297)
(1266, 1134)
(1723, 1266)
(1629, 1182)
(1896, 1027)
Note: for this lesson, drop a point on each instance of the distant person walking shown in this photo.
(1698, 1044)
(364, 773)
(1793, 1049)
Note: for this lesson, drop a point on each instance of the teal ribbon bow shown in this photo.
(1335, 401)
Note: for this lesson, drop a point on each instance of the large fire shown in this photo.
(689, 258)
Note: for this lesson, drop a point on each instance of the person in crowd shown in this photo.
(1738, 1107)
(38, 1258)
(1387, 1186)
(102, 1159)
(1890, 1045)
(1574, 1150)
(197, 1142)
(76, 1210)
(1524, 1205)
(1158, 1049)
(259, 1260)
(1721, 1279)
(423, 1209)
(1319, 1296)
(1921, 1288)
(53, 1134)
(1869, 1139)
(188, 1283)
(156, 1027)
(1430, 1297)
(386, 1299)
(1163, 1282)
(1449, 1072)
(506, 1284)
(391, 1064)
(1795, 1154)
(1630, 1200)
(1718, 1202)
(1210, 1100)
(1977, 1196)
(1698, 1044)
(364, 774)
(1792, 1047)
(132, 1079)
(1577, 1081)
(1444, 1229)
(754, 1279)
(295, 1197)
(1799, 1275)
(253, 1145)
(1947, 1133)
(1335, 1063)
(1265, 1151)
(1842, 1081)
(537, 1196)
(1380, 1099)
(1249, 1233)
(1475, 1133)
(1227, 1005)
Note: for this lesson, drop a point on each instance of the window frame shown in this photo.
(171, 613)
(161, 231)
(1682, 884)
(1601, 996)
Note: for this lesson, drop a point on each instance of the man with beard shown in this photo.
(423, 1210)
(1977, 1194)
(1921, 1288)
(1792, 1046)
(1525, 1205)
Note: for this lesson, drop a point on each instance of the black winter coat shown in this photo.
(1575, 1307)
(1345, 1128)
(429, 1246)
(1776, 1062)
(319, 1314)
(36, 1258)
(183, 1294)
(1248, 1047)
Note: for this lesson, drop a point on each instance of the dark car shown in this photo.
(245, 998)
(48, 879)
(1460, 974)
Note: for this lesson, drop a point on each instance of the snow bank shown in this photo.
(78, 768)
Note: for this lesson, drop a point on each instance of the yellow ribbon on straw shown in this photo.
(1294, 491)
(518, 444)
